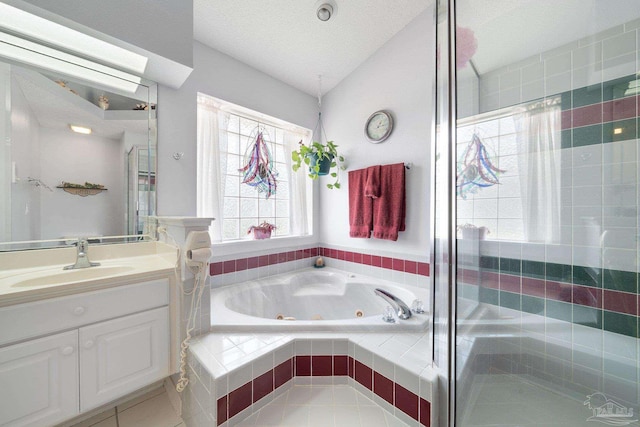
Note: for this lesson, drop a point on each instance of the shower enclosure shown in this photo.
(536, 212)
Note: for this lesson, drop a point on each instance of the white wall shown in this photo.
(399, 78)
(223, 77)
(25, 147)
(97, 160)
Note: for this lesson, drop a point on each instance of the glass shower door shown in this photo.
(546, 213)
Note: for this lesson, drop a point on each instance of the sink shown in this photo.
(58, 277)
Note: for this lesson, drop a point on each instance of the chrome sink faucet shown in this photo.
(402, 309)
(82, 261)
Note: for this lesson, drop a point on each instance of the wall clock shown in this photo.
(378, 126)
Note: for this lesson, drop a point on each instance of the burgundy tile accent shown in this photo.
(383, 387)
(510, 283)
(340, 255)
(216, 268)
(411, 267)
(314, 251)
(264, 260)
(291, 255)
(253, 262)
(619, 109)
(282, 257)
(470, 277)
(239, 399)
(283, 373)
(351, 367)
(397, 264)
(340, 365)
(241, 264)
(376, 261)
(621, 302)
(321, 366)
(585, 295)
(303, 366)
(423, 268)
(490, 280)
(221, 410)
(558, 291)
(262, 385)
(229, 266)
(387, 262)
(533, 287)
(406, 401)
(348, 256)
(300, 254)
(357, 257)
(366, 259)
(589, 115)
(425, 412)
(363, 374)
(565, 119)
(273, 259)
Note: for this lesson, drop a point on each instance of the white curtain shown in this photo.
(299, 202)
(538, 137)
(211, 140)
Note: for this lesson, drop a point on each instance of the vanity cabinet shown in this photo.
(122, 355)
(39, 381)
(99, 346)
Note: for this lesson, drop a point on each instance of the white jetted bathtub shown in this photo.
(325, 299)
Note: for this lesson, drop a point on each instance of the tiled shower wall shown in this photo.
(590, 276)
(602, 57)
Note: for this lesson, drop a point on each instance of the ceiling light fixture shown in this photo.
(81, 129)
(325, 10)
(31, 26)
(35, 54)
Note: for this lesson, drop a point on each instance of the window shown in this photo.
(227, 137)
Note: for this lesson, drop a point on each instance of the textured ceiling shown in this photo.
(283, 38)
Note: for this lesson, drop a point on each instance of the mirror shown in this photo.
(56, 184)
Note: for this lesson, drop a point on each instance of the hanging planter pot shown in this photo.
(325, 164)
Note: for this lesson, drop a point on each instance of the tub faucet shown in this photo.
(82, 261)
(402, 309)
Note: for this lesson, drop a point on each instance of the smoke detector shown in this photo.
(325, 10)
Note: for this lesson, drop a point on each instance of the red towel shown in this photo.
(360, 206)
(372, 183)
(389, 209)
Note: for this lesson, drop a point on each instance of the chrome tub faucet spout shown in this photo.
(82, 260)
(402, 309)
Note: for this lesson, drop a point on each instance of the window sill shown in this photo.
(250, 247)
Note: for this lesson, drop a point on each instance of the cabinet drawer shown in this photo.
(23, 321)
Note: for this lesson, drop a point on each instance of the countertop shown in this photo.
(25, 276)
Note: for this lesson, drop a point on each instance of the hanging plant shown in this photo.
(316, 156)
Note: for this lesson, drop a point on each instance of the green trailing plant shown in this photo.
(313, 155)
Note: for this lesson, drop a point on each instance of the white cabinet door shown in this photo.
(39, 381)
(122, 355)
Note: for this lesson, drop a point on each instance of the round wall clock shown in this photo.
(379, 126)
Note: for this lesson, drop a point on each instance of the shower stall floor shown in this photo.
(322, 406)
(504, 400)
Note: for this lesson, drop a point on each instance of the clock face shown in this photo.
(378, 127)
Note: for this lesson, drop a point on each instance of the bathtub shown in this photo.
(312, 299)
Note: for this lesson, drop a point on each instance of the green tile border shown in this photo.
(620, 323)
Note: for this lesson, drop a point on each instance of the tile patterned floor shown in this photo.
(322, 406)
(523, 403)
(150, 410)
